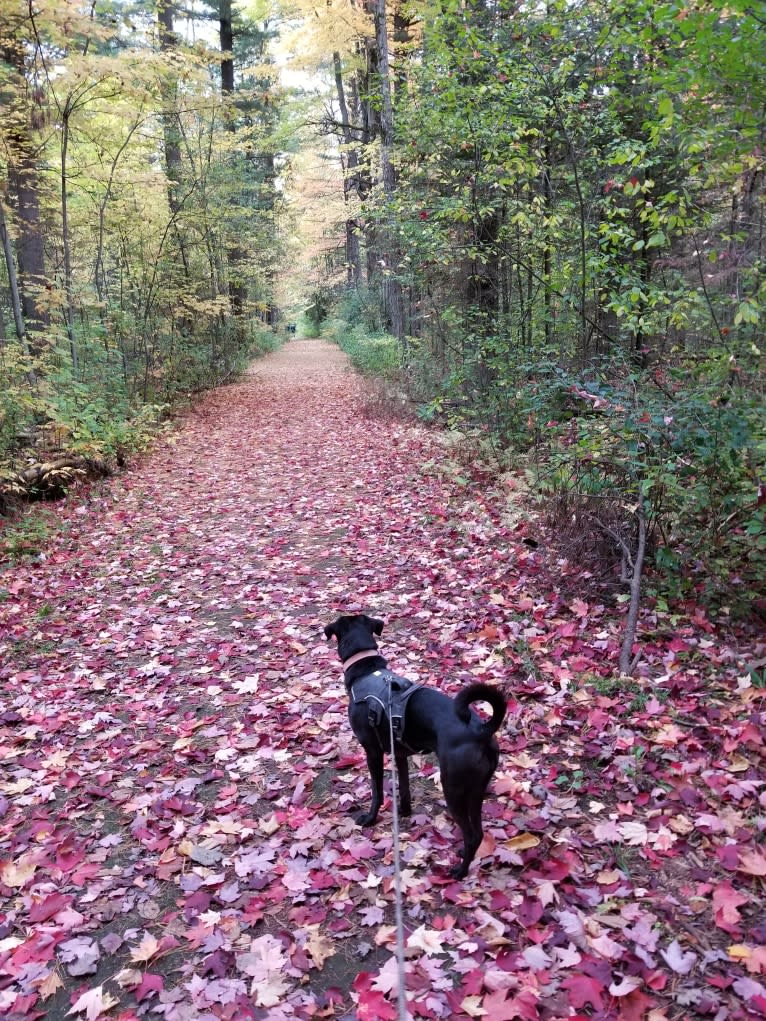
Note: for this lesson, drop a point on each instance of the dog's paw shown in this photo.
(365, 818)
(459, 871)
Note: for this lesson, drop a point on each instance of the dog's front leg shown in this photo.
(375, 765)
(403, 775)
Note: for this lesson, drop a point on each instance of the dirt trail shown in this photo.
(176, 767)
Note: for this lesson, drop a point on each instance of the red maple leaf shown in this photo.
(726, 901)
(583, 990)
(149, 984)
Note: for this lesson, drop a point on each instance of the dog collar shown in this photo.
(357, 656)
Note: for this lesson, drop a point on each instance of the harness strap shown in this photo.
(381, 689)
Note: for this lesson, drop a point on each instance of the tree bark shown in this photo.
(237, 288)
(351, 177)
(69, 310)
(392, 288)
(21, 116)
(18, 314)
(170, 130)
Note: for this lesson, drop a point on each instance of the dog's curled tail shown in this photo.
(482, 693)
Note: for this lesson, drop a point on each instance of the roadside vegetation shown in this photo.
(569, 266)
(138, 210)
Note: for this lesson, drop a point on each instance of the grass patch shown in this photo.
(634, 695)
(371, 354)
(26, 537)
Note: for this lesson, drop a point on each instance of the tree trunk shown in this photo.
(69, 309)
(18, 315)
(547, 247)
(351, 178)
(170, 129)
(237, 288)
(23, 185)
(226, 37)
(627, 660)
(392, 288)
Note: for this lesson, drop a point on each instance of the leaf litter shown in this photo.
(178, 770)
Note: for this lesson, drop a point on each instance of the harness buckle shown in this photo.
(397, 725)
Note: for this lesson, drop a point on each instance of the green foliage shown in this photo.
(579, 212)
(632, 694)
(317, 311)
(372, 355)
(159, 278)
(355, 328)
(692, 439)
(25, 538)
(91, 425)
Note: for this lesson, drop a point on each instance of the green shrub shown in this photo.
(693, 439)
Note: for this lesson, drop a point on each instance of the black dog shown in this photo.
(464, 745)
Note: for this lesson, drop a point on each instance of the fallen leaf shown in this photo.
(93, 1003)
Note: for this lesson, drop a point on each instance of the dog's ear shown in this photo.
(330, 632)
(376, 626)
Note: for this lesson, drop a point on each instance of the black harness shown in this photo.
(379, 690)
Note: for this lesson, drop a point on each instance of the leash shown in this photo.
(402, 992)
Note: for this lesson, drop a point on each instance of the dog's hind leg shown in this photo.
(403, 776)
(464, 792)
(467, 814)
(375, 765)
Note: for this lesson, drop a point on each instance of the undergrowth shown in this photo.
(355, 327)
(102, 414)
(683, 445)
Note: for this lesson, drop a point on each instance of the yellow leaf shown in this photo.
(318, 948)
(385, 934)
(128, 978)
(471, 1005)
(49, 985)
(13, 875)
(754, 958)
(523, 761)
(93, 1003)
(668, 734)
(146, 949)
(738, 951)
(18, 786)
(427, 940)
(681, 824)
(608, 876)
(523, 841)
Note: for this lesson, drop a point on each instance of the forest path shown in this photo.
(177, 766)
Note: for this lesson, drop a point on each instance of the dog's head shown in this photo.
(354, 633)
